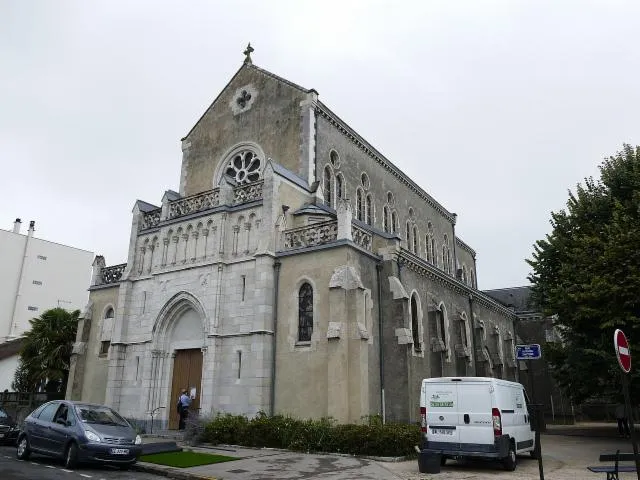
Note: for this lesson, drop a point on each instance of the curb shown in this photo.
(168, 472)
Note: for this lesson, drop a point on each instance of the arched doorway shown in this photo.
(180, 337)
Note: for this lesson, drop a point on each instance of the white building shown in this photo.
(36, 275)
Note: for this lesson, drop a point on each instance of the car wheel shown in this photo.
(509, 461)
(71, 456)
(23, 451)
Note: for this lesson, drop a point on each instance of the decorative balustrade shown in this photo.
(311, 235)
(112, 274)
(361, 237)
(151, 219)
(248, 192)
(194, 203)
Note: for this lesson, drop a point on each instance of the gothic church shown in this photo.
(296, 271)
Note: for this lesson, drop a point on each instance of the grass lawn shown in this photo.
(185, 459)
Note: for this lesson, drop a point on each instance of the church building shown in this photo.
(297, 271)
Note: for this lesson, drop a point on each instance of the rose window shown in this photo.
(244, 167)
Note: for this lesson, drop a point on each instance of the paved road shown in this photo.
(43, 468)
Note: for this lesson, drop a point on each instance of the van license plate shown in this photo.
(119, 451)
(442, 431)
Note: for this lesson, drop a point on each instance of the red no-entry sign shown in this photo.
(623, 353)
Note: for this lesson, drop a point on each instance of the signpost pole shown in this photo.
(529, 353)
(538, 410)
(623, 353)
(632, 428)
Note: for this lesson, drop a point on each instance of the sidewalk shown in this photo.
(567, 450)
(588, 429)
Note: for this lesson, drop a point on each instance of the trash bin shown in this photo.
(429, 462)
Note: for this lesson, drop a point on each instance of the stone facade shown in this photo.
(315, 278)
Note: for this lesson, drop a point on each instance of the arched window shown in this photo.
(463, 331)
(305, 313)
(369, 212)
(359, 205)
(408, 236)
(446, 255)
(339, 187)
(472, 278)
(464, 274)
(107, 327)
(394, 222)
(414, 324)
(328, 190)
(442, 327)
(385, 219)
(415, 240)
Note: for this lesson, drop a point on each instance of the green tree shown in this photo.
(46, 352)
(587, 272)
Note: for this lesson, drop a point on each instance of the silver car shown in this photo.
(79, 432)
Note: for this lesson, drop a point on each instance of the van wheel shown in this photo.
(443, 461)
(509, 461)
(71, 456)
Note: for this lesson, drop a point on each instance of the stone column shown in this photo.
(345, 215)
(98, 264)
(308, 136)
(194, 250)
(165, 250)
(78, 354)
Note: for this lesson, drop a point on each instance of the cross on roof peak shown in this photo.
(247, 53)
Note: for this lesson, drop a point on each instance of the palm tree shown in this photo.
(46, 352)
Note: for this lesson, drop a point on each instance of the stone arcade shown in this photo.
(297, 271)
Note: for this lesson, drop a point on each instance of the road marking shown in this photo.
(65, 470)
(6, 456)
(50, 466)
(85, 475)
(34, 463)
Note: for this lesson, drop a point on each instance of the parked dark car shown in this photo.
(79, 432)
(8, 428)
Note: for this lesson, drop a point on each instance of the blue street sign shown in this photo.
(528, 352)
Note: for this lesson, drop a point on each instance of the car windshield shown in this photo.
(100, 415)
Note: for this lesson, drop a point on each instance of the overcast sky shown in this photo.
(496, 108)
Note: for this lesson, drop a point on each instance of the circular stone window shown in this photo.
(244, 167)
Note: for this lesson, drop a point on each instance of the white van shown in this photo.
(475, 417)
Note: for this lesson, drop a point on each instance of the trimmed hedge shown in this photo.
(370, 438)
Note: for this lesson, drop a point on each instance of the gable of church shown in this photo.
(256, 109)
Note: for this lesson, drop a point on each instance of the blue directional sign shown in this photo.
(528, 352)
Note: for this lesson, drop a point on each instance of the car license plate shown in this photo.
(119, 451)
(442, 431)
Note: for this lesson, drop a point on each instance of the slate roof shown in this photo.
(516, 297)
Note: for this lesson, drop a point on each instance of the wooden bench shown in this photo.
(612, 471)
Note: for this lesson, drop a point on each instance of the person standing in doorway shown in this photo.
(623, 421)
(184, 402)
